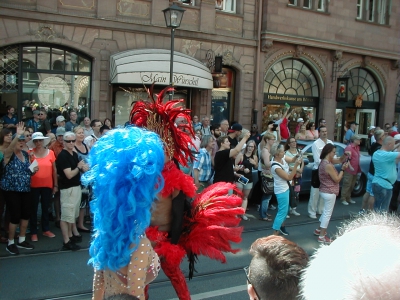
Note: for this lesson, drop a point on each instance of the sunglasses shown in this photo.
(35, 141)
(247, 272)
(69, 141)
(41, 114)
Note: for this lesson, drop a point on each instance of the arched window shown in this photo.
(291, 77)
(362, 83)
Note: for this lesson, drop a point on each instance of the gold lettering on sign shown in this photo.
(290, 98)
(86, 4)
(134, 8)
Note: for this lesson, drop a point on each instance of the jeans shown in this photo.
(44, 196)
(264, 205)
(283, 209)
(329, 200)
(382, 198)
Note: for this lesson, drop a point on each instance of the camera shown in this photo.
(274, 126)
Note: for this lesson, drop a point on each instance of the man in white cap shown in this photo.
(300, 122)
(60, 121)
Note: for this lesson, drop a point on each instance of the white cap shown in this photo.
(372, 127)
(397, 137)
(300, 120)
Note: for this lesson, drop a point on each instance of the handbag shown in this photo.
(296, 183)
(267, 184)
(315, 183)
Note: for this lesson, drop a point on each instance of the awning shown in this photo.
(146, 66)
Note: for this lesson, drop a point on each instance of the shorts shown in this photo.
(241, 186)
(70, 200)
(368, 189)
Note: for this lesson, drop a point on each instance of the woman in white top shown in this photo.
(280, 172)
(291, 152)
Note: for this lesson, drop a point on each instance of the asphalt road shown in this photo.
(47, 273)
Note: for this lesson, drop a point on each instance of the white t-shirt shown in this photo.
(280, 184)
(317, 147)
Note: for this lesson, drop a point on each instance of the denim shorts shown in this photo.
(368, 189)
(241, 186)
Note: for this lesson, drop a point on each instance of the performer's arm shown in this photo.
(98, 285)
(178, 210)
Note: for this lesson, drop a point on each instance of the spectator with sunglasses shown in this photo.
(275, 269)
(69, 169)
(45, 126)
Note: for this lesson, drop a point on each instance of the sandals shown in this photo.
(267, 219)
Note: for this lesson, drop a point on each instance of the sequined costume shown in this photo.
(125, 173)
(142, 269)
(174, 224)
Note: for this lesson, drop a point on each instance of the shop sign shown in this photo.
(285, 98)
(163, 78)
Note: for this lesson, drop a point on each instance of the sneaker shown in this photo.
(75, 239)
(271, 207)
(324, 239)
(352, 201)
(25, 245)
(317, 232)
(34, 238)
(345, 203)
(244, 217)
(49, 234)
(361, 212)
(294, 212)
(283, 230)
(70, 246)
(12, 249)
(287, 217)
(312, 216)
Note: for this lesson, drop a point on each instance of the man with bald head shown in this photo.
(385, 161)
(362, 263)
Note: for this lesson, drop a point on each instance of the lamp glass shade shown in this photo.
(173, 16)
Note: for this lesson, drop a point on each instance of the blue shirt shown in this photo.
(348, 136)
(17, 176)
(35, 125)
(203, 164)
(13, 120)
(385, 168)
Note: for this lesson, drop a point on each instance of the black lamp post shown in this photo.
(173, 17)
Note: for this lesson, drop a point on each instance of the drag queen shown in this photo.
(125, 173)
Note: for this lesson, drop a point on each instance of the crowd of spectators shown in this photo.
(42, 159)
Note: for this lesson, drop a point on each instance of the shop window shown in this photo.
(362, 83)
(45, 81)
(222, 96)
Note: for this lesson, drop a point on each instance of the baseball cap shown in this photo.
(35, 112)
(235, 127)
(372, 127)
(22, 137)
(354, 122)
(60, 131)
(60, 119)
(300, 120)
(397, 137)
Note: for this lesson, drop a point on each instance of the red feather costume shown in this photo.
(212, 222)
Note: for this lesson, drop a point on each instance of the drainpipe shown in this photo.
(257, 81)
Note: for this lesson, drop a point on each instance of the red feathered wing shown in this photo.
(214, 221)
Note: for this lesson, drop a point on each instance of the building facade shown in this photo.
(242, 60)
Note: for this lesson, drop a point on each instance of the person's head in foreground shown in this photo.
(362, 263)
(274, 271)
(125, 173)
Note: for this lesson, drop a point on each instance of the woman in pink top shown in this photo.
(329, 189)
(43, 183)
(312, 132)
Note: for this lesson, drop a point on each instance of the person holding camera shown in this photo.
(351, 173)
(273, 129)
(329, 188)
(247, 162)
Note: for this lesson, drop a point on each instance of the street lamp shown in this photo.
(173, 17)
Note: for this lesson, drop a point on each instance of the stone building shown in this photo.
(235, 59)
